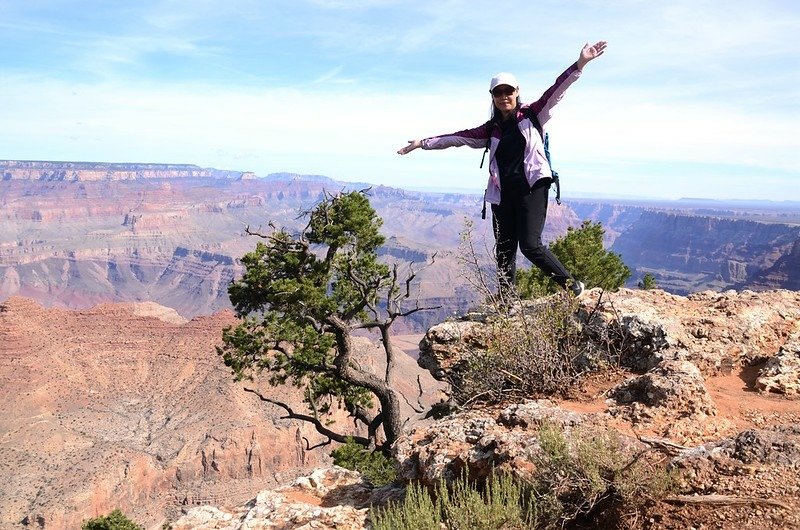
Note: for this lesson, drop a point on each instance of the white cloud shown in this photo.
(708, 85)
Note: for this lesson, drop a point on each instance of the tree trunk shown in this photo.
(387, 397)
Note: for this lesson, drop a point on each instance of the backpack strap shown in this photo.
(553, 171)
(546, 138)
(488, 142)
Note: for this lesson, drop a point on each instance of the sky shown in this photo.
(692, 98)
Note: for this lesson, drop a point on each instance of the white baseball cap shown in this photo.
(503, 78)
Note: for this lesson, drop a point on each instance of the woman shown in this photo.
(519, 173)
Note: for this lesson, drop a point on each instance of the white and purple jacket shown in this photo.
(535, 162)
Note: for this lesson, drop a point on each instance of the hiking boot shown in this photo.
(577, 288)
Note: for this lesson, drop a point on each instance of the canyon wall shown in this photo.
(73, 234)
(687, 253)
(129, 406)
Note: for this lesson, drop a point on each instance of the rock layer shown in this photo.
(129, 406)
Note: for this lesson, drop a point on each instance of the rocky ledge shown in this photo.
(710, 380)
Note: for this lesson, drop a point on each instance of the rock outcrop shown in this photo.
(671, 343)
(714, 331)
(327, 499)
(782, 373)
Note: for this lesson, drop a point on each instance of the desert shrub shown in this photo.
(115, 520)
(647, 282)
(536, 351)
(374, 465)
(416, 512)
(503, 503)
(582, 252)
(579, 476)
(581, 479)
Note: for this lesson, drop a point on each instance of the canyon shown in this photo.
(129, 406)
(74, 234)
(113, 296)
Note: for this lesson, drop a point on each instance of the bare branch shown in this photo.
(419, 409)
(372, 430)
(419, 396)
(663, 445)
(309, 447)
(360, 414)
(372, 324)
(724, 500)
(388, 348)
(292, 415)
(257, 233)
(417, 309)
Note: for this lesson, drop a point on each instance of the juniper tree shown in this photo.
(582, 253)
(300, 299)
(647, 282)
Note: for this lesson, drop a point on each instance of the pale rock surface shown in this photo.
(481, 440)
(781, 373)
(327, 499)
(672, 394)
(714, 331)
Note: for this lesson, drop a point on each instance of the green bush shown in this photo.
(503, 503)
(648, 282)
(582, 252)
(376, 467)
(416, 512)
(115, 520)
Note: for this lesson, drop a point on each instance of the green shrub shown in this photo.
(416, 512)
(115, 520)
(376, 467)
(648, 282)
(504, 503)
(582, 252)
(584, 479)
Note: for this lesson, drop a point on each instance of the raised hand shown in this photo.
(589, 53)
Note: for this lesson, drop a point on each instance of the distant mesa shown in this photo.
(101, 171)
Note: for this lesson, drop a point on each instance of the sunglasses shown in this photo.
(503, 91)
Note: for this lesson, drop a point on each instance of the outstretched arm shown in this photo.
(412, 144)
(475, 138)
(589, 53)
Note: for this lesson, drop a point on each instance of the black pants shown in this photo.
(518, 221)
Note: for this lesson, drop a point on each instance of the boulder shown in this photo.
(781, 374)
(672, 395)
(476, 442)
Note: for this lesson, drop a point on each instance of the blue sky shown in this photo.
(692, 98)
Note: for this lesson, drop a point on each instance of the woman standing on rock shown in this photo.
(519, 173)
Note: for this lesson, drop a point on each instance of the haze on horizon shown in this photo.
(692, 99)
